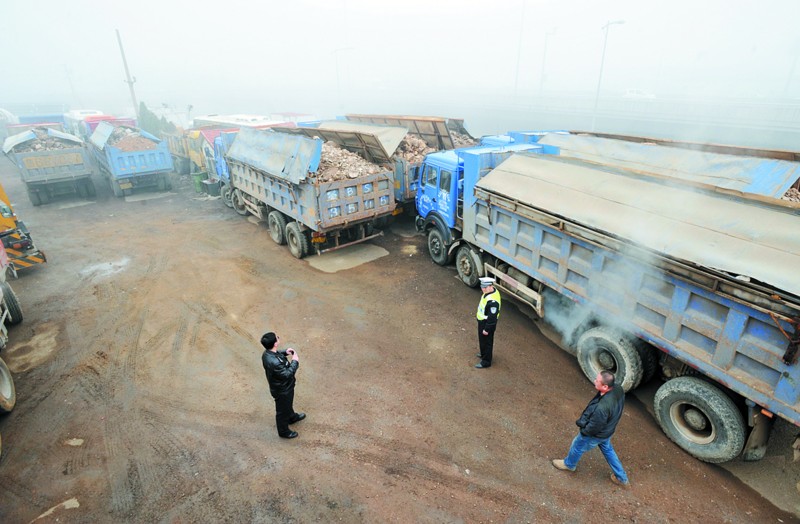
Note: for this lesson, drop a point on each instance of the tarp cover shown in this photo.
(692, 225)
(20, 138)
(282, 155)
(433, 130)
(373, 143)
(760, 176)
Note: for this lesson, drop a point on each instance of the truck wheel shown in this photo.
(466, 266)
(437, 248)
(80, 189)
(238, 202)
(602, 348)
(700, 418)
(277, 227)
(33, 196)
(649, 357)
(298, 243)
(44, 197)
(91, 191)
(226, 195)
(162, 183)
(116, 189)
(12, 304)
(8, 395)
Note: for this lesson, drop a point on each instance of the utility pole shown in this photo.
(602, 63)
(128, 80)
(519, 46)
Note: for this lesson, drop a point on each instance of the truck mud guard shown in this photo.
(516, 289)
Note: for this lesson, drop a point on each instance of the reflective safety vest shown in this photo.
(481, 315)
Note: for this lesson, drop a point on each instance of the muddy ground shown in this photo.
(141, 396)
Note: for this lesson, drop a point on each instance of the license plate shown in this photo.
(125, 185)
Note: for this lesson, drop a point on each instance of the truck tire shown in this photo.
(238, 202)
(602, 348)
(91, 190)
(12, 304)
(649, 356)
(700, 418)
(33, 196)
(118, 192)
(437, 247)
(298, 243)
(467, 267)
(226, 195)
(162, 183)
(8, 395)
(277, 227)
(80, 189)
(44, 197)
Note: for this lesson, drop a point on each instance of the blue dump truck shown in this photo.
(637, 274)
(131, 158)
(222, 144)
(51, 163)
(310, 199)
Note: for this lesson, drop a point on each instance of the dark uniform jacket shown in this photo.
(280, 372)
(491, 311)
(600, 418)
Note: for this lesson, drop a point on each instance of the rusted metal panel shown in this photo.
(375, 144)
(432, 129)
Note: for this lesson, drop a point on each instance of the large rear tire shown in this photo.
(8, 395)
(12, 304)
(437, 247)
(700, 418)
(468, 269)
(33, 196)
(237, 199)
(226, 195)
(602, 348)
(298, 243)
(118, 192)
(277, 227)
(91, 191)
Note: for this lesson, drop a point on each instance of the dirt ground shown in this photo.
(141, 396)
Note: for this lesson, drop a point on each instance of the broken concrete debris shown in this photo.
(337, 163)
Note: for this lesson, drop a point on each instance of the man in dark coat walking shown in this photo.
(281, 367)
(597, 424)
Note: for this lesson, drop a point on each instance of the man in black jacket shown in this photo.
(597, 424)
(487, 315)
(280, 367)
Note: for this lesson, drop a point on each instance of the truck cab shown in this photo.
(447, 187)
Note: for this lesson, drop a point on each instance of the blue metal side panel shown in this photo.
(286, 156)
(125, 164)
(729, 341)
(39, 119)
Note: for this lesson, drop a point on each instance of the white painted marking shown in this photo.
(67, 504)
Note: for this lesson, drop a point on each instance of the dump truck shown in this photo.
(436, 132)
(16, 239)
(131, 158)
(51, 163)
(10, 315)
(277, 177)
(636, 274)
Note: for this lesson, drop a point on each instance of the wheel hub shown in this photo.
(606, 360)
(695, 419)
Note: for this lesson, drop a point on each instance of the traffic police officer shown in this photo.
(488, 313)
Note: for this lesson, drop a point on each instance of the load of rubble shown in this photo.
(337, 163)
(129, 139)
(44, 142)
(793, 195)
(413, 149)
(460, 140)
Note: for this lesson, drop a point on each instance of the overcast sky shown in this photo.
(393, 57)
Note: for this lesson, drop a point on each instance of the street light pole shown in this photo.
(519, 46)
(547, 35)
(602, 63)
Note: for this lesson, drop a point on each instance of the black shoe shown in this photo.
(482, 366)
(297, 418)
(291, 434)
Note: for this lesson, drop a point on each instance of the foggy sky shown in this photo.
(393, 57)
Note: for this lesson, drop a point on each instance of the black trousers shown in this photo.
(284, 411)
(486, 343)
